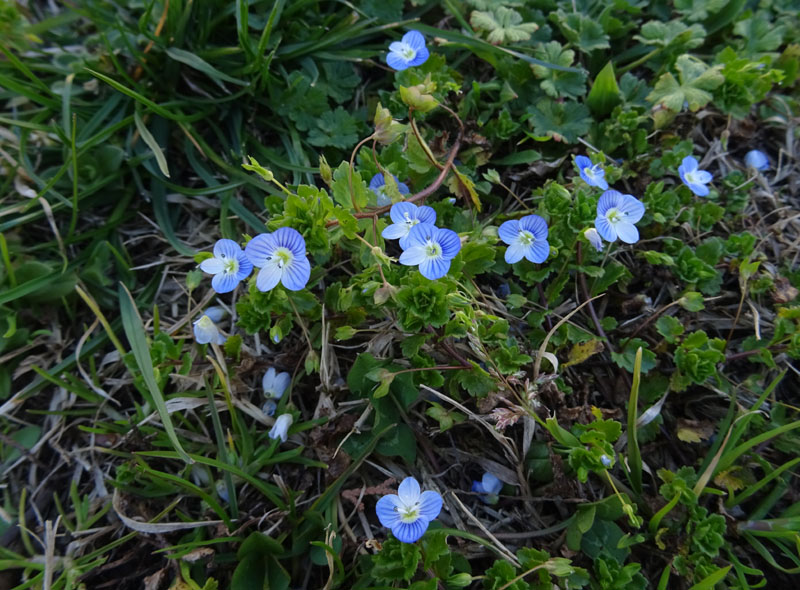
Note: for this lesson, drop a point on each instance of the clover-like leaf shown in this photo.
(562, 121)
(695, 10)
(503, 25)
(695, 80)
(584, 32)
(555, 82)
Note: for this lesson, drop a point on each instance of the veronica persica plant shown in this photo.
(275, 384)
(756, 159)
(281, 256)
(616, 216)
(378, 186)
(695, 179)
(409, 512)
(408, 52)
(592, 174)
(526, 238)
(431, 248)
(488, 488)
(281, 428)
(229, 265)
(405, 216)
(206, 331)
(594, 238)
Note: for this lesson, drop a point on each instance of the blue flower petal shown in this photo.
(386, 508)
(290, 238)
(259, 249)
(632, 207)
(268, 277)
(426, 214)
(689, 164)
(449, 241)
(538, 252)
(419, 235)
(412, 256)
(408, 491)
(605, 229)
(296, 273)
(509, 231)
(757, 159)
(245, 267)
(224, 282)
(395, 61)
(534, 224)
(700, 190)
(515, 252)
(609, 200)
(491, 483)
(583, 162)
(404, 190)
(430, 505)
(227, 248)
(212, 265)
(410, 532)
(434, 268)
(627, 232)
(420, 58)
(703, 176)
(376, 182)
(399, 210)
(395, 231)
(415, 39)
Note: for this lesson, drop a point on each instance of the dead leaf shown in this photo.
(784, 291)
(582, 351)
(694, 431)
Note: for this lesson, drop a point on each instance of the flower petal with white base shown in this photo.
(408, 52)
(616, 216)
(405, 216)
(526, 238)
(695, 179)
(409, 512)
(229, 266)
(281, 256)
(431, 248)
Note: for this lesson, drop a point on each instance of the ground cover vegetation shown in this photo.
(399, 294)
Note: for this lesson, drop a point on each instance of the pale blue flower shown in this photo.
(592, 174)
(756, 159)
(281, 428)
(229, 265)
(431, 248)
(206, 331)
(216, 313)
(616, 216)
(275, 384)
(378, 186)
(409, 512)
(405, 216)
(594, 238)
(281, 256)
(408, 52)
(488, 488)
(269, 407)
(605, 460)
(695, 179)
(526, 238)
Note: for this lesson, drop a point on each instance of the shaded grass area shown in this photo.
(131, 456)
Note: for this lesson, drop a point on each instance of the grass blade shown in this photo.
(134, 330)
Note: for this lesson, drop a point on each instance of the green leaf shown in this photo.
(565, 121)
(605, 94)
(151, 142)
(670, 328)
(193, 61)
(557, 83)
(696, 80)
(415, 98)
(504, 25)
(692, 301)
(695, 10)
(583, 31)
(672, 33)
(710, 581)
(337, 129)
(760, 33)
(400, 442)
(134, 330)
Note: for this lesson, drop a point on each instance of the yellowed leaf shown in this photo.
(728, 480)
(582, 351)
(694, 431)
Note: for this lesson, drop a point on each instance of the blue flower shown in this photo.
(616, 216)
(592, 174)
(594, 238)
(408, 52)
(431, 248)
(405, 216)
(526, 237)
(408, 512)
(488, 487)
(695, 179)
(281, 428)
(206, 331)
(281, 256)
(756, 159)
(274, 383)
(377, 185)
(229, 265)
(606, 460)
(269, 407)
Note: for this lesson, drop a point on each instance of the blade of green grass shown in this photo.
(134, 330)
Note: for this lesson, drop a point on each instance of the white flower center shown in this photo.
(205, 323)
(230, 265)
(614, 215)
(525, 237)
(433, 250)
(407, 52)
(282, 257)
(408, 514)
(691, 177)
(590, 172)
(410, 222)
